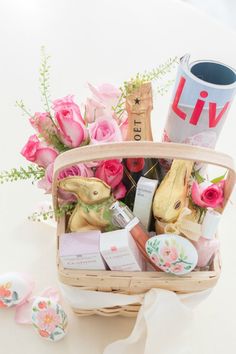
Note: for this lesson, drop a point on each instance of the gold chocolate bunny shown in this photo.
(171, 195)
(94, 199)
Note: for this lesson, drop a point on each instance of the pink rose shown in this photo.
(71, 127)
(93, 164)
(76, 170)
(111, 172)
(169, 254)
(211, 196)
(105, 97)
(106, 93)
(46, 182)
(94, 110)
(69, 108)
(120, 191)
(43, 125)
(104, 131)
(38, 152)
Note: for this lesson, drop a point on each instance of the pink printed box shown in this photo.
(80, 250)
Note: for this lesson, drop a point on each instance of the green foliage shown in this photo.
(153, 245)
(148, 76)
(44, 77)
(54, 140)
(188, 267)
(65, 209)
(15, 296)
(30, 172)
(198, 177)
(20, 104)
(218, 179)
(135, 82)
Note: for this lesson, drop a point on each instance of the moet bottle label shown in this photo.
(139, 105)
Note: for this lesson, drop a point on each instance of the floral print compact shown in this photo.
(172, 253)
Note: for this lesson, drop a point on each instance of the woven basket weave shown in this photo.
(138, 282)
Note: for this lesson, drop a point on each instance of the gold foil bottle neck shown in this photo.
(139, 104)
(140, 100)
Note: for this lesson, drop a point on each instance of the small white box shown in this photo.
(120, 251)
(145, 191)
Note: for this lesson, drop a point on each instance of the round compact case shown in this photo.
(172, 253)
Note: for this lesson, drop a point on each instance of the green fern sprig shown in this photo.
(155, 74)
(135, 82)
(20, 104)
(163, 89)
(65, 209)
(23, 173)
(44, 76)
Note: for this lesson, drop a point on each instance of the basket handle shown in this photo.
(146, 150)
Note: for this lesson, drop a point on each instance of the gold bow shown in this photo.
(182, 225)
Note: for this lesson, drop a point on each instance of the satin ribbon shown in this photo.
(188, 228)
(24, 309)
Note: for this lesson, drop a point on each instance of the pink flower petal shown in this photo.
(120, 191)
(104, 130)
(45, 184)
(73, 132)
(196, 195)
(45, 156)
(67, 104)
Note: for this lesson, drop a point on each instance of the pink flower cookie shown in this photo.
(49, 319)
(14, 289)
(169, 253)
(172, 253)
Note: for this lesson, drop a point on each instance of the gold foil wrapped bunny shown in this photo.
(94, 199)
(171, 195)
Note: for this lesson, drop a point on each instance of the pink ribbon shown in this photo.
(24, 309)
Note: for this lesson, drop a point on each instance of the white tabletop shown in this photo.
(97, 41)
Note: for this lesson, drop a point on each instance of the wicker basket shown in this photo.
(138, 282)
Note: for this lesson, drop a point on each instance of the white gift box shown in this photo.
(120, 251)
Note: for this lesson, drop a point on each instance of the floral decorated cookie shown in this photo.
(14, 289)
(172, 253)
(49, 319)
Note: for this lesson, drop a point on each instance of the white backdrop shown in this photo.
(97, 41)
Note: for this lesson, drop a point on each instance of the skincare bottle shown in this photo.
(124, 217)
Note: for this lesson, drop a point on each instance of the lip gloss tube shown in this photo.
(124, 217)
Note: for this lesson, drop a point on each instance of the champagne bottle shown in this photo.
(138, 106)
